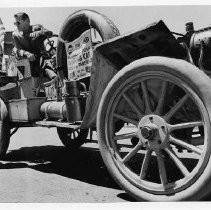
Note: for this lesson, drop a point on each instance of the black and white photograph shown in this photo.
(105, 103)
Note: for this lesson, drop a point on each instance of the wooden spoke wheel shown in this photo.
(165, 105)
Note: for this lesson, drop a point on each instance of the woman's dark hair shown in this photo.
(21, 15)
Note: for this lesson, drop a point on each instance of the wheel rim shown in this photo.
(155, 124)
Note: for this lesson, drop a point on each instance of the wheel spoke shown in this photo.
(131, 153)
(126, 119)
(124, 136)
(138, 100)
(145, 164)
(161, 100)
(133, 105)
(146, 97)
(184, 125)
(177, 161)
(186, 145)
(176, 107)
(162, 169)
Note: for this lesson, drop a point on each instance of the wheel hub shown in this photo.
(152, 131)
(148, 132)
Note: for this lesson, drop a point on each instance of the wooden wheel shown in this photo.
(159, 99)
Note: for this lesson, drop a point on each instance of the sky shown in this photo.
(128, 16)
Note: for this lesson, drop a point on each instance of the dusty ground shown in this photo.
(39, 169)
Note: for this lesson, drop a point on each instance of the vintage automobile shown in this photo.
(146, 93)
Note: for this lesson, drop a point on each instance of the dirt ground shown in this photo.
(39, 169)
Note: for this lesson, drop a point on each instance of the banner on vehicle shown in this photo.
(79, 56)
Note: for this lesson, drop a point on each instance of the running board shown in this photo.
(50, 124)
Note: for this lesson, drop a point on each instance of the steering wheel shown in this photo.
(49, 51)
(50, 44)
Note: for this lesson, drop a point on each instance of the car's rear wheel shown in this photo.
(72, 138)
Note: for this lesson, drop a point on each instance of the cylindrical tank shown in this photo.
(200, 47)
(199, 36)
(54, 110)
(71, 110)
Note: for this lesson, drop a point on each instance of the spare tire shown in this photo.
(76, 24)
